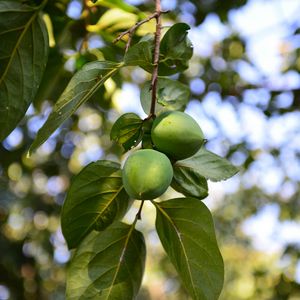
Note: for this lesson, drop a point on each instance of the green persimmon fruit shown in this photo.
(176, 134)
(147, 174)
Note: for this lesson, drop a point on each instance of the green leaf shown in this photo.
(23, 57)
(171, 95)
(80, 89)
(140, 54)
(95, 199)
(175, 50)
(113, 20)
(189, 182)
(186, 230)
(209, 165)
(108, 265)
(116, 4)
(127, 130)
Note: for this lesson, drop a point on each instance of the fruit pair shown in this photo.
(148, 173)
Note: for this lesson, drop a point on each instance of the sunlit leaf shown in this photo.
(186, 230)
(23, 57)
(209, 165)
(114, 19)
(108, 265)
(95, 199)
(171, 95)
(127, 130)
(116, 4)
(80, 89)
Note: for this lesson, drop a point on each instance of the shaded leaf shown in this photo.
(186, 230)
(171, 95)
(95, 199)
(140, 54)
(175, 50)
(127, 130)
(209, 165)
(80, 89)
(23, 57)
(108, 265)
(189, 182)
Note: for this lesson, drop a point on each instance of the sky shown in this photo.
(266, 27)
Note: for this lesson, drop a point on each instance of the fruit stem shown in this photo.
(139, 213)
(155, 57)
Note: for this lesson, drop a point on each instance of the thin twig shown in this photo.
(86, 15)
(155, 59)
(139, 213)
(132, 30)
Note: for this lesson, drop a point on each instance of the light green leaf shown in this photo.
(171, 95)
(80, 89)
(108, 265)
(140, 54)
(186, 230)
(189, 182)
(175, 50)
(114, 19)
(95, 199)
(127, 130)
(116, 4)
(209, 165)
(23, 57)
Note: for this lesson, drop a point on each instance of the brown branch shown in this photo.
(139, 213)
(132, 30)
(155, 59)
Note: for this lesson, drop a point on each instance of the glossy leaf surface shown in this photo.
(23, 57)
(79, 90)
(108, 265)
(209, 165)
(175, 50)
(189, 182)
(186, 230)
(127, 130)
(171, 95)
(95, 199)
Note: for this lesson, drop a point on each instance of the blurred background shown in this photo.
(245, 94)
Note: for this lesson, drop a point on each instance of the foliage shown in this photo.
(84, 81)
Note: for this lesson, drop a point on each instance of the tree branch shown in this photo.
(155, 59)
(139, 213)
(132, 30)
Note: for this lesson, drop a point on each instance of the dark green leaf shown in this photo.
(23, 57)
(189, 182)
(140, 55)
(127, 130)
(209, 165)
(171, 95)
(186, 230)
(147, 141)
(108, 265)
(95, 199)
(175, 50)
(81, 87)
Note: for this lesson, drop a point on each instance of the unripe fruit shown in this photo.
(176, 134)
(147, 174)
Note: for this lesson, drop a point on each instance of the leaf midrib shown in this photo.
(102, 210)
(120, 260)
(181, 244)
(17, 45)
